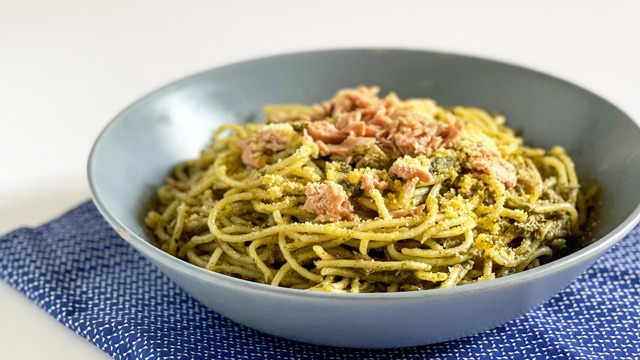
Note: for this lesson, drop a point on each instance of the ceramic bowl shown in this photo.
(138, 148)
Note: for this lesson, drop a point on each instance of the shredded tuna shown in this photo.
(451, 133)
(351, 124)
(356, 128)
(324, 148)
(348, 118)
(373, 181)
(404, 213)
(389, 148)
(328, 201)
(421, 137)
(410, 186)
(408, 168)
(266, 142)
(360, 97)
(417, 142)
(378, 120)
(488, 161)
(390, 101)
(361, 114)
(344, 149)
(326, 132)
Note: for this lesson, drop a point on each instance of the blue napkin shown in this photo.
(78, 270)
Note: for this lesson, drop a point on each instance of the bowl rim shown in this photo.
(585, 255)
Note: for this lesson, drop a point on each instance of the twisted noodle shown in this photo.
(484, 205)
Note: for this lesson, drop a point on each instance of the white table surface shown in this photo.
(67, 67)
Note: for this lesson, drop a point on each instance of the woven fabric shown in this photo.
(78, 270)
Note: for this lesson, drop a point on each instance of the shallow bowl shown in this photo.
(138, 148)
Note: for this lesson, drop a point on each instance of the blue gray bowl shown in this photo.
(138, 148)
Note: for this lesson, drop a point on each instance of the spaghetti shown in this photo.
(369, 194)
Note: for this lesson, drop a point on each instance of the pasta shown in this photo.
(368, 194)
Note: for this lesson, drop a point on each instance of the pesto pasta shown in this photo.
(370, 194)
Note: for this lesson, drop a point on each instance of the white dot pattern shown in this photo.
(79, 271)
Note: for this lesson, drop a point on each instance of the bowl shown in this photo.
(138, 148)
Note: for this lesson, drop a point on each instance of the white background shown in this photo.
(68, 67)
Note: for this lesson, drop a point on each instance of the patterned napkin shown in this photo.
(78, 270)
